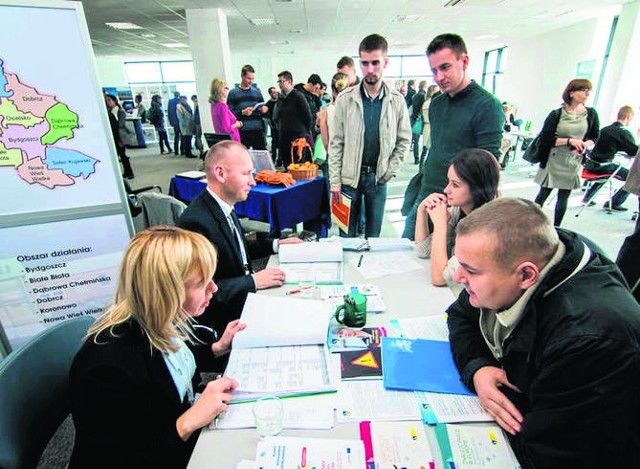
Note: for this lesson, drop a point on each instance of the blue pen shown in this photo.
(360, 260)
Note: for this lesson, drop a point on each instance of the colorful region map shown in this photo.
(31, 123)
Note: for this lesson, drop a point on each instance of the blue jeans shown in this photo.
(410, 222)
(375, 196)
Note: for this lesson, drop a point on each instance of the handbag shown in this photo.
(533, 153)
(319, 152)
(416, 129)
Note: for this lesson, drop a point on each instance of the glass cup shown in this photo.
(268, 414)
(307, 286)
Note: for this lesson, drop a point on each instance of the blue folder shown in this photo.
(420, 365)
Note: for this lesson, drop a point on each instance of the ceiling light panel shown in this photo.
(263, 21)
(123, 25)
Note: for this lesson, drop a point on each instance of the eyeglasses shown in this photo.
(586, 90)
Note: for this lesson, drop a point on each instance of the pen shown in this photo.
(360, 260)
(293, 292)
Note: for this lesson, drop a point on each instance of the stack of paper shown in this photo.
(283, 452)
(369, 400)
(320, 261)
(282, 351)
(474, 446)
(391, 445)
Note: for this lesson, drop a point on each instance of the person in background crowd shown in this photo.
(411, 92)
(416, 112)
(172, 106)
(347, 66)
(612, 139)
(117, 121)
(131, 388)
(271, 104)
(224, 121)
(566, 134)
(547, 335)
(426, 124)
(473, 176)
(247, 104)
(197, 126)
(292, 117)
(464, 115)
(140, 109)
(156, 117)
(185, 117)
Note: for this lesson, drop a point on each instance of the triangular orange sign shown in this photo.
(366, 360)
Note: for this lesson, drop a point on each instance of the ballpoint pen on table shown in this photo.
(360, 260)
(298, 290)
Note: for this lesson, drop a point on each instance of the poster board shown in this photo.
(59, 173)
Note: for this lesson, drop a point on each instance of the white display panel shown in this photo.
(56, 148)
(57, 271)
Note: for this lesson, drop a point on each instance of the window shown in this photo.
(493, 70)
(143, 72)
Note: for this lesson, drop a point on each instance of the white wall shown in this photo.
(111, 72)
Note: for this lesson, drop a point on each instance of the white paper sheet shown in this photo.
(428, 327)
(476, 446)
(378, 265)
(310, 252)
(276, 321)
(322, 272)
(307, 412)
(390, 244)
(455, 408)
(281, 371)
(400, 444)
(369, 400)
(286, 453)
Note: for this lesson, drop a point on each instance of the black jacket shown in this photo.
(292, 115)
(548, 133)
(125, 405)
(575, 355)
(204, 216)
(613, 138)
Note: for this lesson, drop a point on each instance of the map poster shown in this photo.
(56, 147)
(58, 271)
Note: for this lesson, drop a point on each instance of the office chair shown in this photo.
(34, 387)
(593, 178)
(160, 209)
(135, 207)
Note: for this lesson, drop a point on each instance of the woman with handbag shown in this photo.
(567, 132)
(224, 121)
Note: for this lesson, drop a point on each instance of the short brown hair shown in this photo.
(520, 230)
(624, 112)
(373, 42)
(345, 61)
(218, 152)
(247, 69)
(575, 85)
(447, 41)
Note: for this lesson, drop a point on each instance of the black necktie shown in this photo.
(238, 234)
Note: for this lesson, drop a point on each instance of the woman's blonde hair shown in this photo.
(217, 86)
(156, 264)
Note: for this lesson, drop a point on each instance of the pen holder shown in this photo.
(353, 312)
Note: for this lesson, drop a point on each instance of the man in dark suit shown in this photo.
(229, 171)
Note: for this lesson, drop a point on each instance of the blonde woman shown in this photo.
(224, 121)
(131, 382)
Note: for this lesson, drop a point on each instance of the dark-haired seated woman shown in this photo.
(131, 386)
(473, 176)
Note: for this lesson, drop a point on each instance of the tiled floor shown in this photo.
(608, 230)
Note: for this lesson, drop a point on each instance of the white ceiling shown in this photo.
(332, 25)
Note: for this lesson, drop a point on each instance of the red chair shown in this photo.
(592, 178)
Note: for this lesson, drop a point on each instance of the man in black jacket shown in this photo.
(612, 139)
(291, 115)
(548, 335)
(229, 170)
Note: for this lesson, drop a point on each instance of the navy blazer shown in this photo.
(125, 405)
(205, 216)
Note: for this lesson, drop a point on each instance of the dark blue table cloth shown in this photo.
(281, 207)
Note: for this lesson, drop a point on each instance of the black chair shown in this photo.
(34, 388)
(590, 178)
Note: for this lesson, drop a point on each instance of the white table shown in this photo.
(406, 295)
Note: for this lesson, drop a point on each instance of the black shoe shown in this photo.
(619, 208)
(591, 203)
(129, 176)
